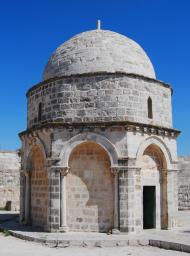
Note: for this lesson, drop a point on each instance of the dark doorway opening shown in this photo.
(149, 207)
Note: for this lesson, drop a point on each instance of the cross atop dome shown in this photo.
(98, 24)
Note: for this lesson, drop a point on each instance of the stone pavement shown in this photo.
(178, 239)
(11, 246)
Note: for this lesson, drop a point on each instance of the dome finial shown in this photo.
(98, 24)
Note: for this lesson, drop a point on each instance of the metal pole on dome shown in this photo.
(98, 24)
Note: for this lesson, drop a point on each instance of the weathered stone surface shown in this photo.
(101, 98)
(184, 183)
(98, 51)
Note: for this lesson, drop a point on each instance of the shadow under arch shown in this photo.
(158, 153)
(84, 137)
(90, 189)
(153, 140)
(36, 142)
(36, 186)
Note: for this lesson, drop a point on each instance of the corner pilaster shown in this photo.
(130, 196)
(53, 216)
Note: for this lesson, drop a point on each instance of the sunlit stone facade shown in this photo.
(99, 152)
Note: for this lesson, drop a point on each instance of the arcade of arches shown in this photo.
(93, 196)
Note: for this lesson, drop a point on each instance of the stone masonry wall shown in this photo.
(184, 183)
(97, 98)
(9, 179)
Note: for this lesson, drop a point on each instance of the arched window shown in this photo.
(40, 111)
(149, 103)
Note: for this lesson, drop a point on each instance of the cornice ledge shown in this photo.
(128, 126)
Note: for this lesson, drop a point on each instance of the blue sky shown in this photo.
(31, 30)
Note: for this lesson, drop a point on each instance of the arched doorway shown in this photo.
(154, 188)
(39, 189)
(90, 189)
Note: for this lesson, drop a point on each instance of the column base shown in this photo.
(64, 229)
(115, 231)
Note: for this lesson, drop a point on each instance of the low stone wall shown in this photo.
(184, 184)
(9, 180)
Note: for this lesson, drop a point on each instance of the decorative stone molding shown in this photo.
(152, 130)
(128, 126)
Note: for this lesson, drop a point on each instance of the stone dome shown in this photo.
(98, 51)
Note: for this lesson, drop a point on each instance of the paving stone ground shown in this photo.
(178, 239)
(11, 246)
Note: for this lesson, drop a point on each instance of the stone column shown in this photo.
(115, 230)
(22, 196)
(27, 198)
(63, 213)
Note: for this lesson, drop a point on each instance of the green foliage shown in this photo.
(5, 232)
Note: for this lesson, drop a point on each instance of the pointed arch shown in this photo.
(36, 142)
(88, 136)
(153, 140)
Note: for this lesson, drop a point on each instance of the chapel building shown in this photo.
(99, 152)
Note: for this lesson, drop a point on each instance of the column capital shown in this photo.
(63, 170)
(22, 171)
(115, 170)
(25, 173)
